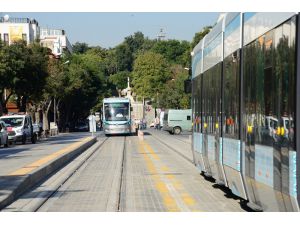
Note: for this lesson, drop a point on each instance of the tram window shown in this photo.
(231, 95)
(269, 84)
(197, 103)
(211, 98)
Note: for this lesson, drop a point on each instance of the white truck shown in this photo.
(20, 128)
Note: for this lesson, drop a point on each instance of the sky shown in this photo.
(108, 29)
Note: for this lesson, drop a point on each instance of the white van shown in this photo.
(177, 120)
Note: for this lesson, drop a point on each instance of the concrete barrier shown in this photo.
(141, 135)
(15, 185)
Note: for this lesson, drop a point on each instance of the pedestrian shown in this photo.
(157, 123)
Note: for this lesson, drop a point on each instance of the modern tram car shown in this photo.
(245, 105)
(116, 116)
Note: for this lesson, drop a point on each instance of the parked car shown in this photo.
(20, 128)
(81, 126)
(176, 120)
(3, 135)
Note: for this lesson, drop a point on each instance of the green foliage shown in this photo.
(33, 78)
(23, 70)
(85, 83)
(120, 79)
(200, 35)
(80, 48)
(12, 62)
(124, 58)
(172, 95)
(135, 41)
(155, 68)
(173, 50)
(151, 71)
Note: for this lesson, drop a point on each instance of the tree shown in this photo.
(25, 72)
(173, 50)
(135, 41)
(200, 35)
(80, 47)
(124, 58)
(173, 95)
(120, 80)
(85, 84)
(151, 71)
(11, 61)
(31, 80)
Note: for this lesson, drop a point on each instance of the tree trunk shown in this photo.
(1, 106)
(37, 116)
(3, 102)
(23, 104)
(58, 114)
(68, 109)
(45, 112)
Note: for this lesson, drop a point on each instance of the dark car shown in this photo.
(81, 126)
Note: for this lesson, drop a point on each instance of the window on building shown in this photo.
(6, 38)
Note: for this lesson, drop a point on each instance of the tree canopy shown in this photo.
(78, 82)
(150, 72)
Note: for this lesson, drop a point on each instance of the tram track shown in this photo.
(60, 177)
(78, 167)
(173, 149)
(114, 200)
(122, 187)
(179, 139)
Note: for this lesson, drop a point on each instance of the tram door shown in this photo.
(269, 111)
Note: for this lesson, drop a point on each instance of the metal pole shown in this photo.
(54, 108)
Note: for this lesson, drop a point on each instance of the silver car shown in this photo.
(3, 135)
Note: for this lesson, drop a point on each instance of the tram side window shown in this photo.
(210, 103)
(217, 99)
(249, 87)
(198, 104)
(270, 95)
(211, 98)
(231, 95)
(193, 103)
(205, 102)
(286, 50)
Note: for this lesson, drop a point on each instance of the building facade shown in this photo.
(15, 29)
(56, 40)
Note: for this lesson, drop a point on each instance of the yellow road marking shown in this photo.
(28, 168)
(188, 199)
(154, 155)
(168, 200)
(165, 168)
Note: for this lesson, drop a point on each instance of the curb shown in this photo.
(33, 178)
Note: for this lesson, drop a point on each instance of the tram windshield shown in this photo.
(116, 111)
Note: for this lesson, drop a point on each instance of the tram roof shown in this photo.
(112, 100)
